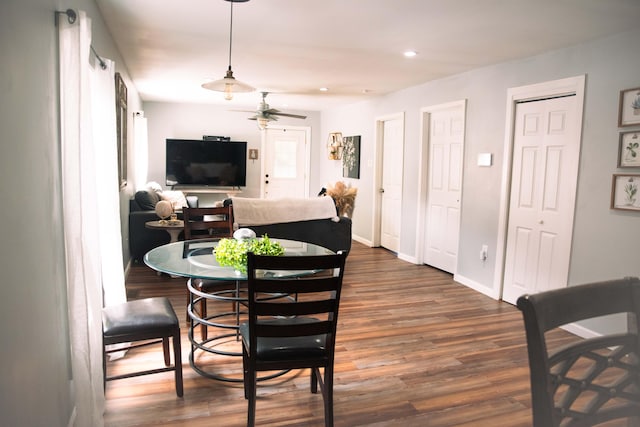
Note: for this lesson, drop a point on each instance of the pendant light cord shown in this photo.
(230, 34)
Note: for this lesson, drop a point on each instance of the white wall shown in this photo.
(192, 121)
(34, 362)
(605, 243)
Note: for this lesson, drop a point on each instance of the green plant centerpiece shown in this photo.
(233, 252)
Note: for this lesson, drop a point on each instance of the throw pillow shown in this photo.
(147, 199)
(176, 198)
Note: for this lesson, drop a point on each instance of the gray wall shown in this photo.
(605, 242)
(34, 362)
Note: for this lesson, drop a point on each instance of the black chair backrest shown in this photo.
(313, 285)
(204, 223)
(591, 380)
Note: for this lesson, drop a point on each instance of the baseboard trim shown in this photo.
(362, 240)
(476, 286)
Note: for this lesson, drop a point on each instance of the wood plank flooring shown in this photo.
(414, 348)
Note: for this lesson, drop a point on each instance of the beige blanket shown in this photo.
(248, 211)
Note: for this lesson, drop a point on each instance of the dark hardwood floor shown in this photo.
(414, 348)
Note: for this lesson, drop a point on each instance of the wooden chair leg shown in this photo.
(203, 314)
(251, 410)
(177, 360)
(165, 351)
(314, 380)
(327, 396)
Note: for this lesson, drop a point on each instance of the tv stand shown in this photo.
(229, 191)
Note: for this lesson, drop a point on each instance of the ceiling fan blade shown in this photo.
(295, 116)
(269, 118)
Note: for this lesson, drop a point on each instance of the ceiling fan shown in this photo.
(264, 114)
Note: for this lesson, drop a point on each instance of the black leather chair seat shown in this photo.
(292, 348)
(151, 315)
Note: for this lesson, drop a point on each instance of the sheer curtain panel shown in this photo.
(91, 209)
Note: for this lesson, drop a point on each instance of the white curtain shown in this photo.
(91, 208)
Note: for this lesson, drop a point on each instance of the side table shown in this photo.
(172, 227)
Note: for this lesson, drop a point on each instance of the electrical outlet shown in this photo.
(484, 253)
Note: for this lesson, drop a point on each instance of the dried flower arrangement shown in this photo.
(344, 196)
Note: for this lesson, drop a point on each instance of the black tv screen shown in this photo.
(206, 163)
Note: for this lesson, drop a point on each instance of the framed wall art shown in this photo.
(121, 129)
(624, 192)
(629, 113)
(351, 157)
(629, 150)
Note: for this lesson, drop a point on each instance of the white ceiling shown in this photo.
(353, 47)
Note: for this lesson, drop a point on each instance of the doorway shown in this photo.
(285, 162)
(389, 173)
(538, 200)
(443, 140)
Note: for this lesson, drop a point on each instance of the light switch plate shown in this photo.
(485, 159)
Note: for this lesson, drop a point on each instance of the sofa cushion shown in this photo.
(147, 199)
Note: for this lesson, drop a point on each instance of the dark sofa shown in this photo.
(329, 233)
(323, 232)
(141, 210)
(334, 235)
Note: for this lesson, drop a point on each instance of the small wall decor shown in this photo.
(629, 151)
(629, 113)
(335, 146)
(351, 157)
(121, 126)
(624, 192)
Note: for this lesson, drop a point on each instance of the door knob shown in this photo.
(381, 190)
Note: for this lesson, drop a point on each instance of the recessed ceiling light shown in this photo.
(410, 53)
(324, 89)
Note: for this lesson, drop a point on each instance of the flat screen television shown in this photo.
(206, 163)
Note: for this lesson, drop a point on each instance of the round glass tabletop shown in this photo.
(195, 258)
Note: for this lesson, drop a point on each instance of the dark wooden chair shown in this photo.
(208, 223)
(143, 322)
(590, 381)
(292, 333)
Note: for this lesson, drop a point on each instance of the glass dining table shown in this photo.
(217, 355)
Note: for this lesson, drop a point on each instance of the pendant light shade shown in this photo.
(229, 84)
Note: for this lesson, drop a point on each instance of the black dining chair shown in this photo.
(143, 322)
(589, 381)
(292, 333)
(207, 223)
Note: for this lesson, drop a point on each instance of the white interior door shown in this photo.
(284, 172)
(391, 190)
(446, 144)
(542, 201)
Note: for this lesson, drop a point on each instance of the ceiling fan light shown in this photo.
(262, 123)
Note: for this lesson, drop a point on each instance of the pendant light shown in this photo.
(229, 84)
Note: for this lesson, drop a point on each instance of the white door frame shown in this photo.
(571, 85)
(307, 154)
(423, 170)
(377, 174)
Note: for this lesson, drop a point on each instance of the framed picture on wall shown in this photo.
(121, 129)
(624, 192)
(351, 157)
(629, 113)
(629, 150)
